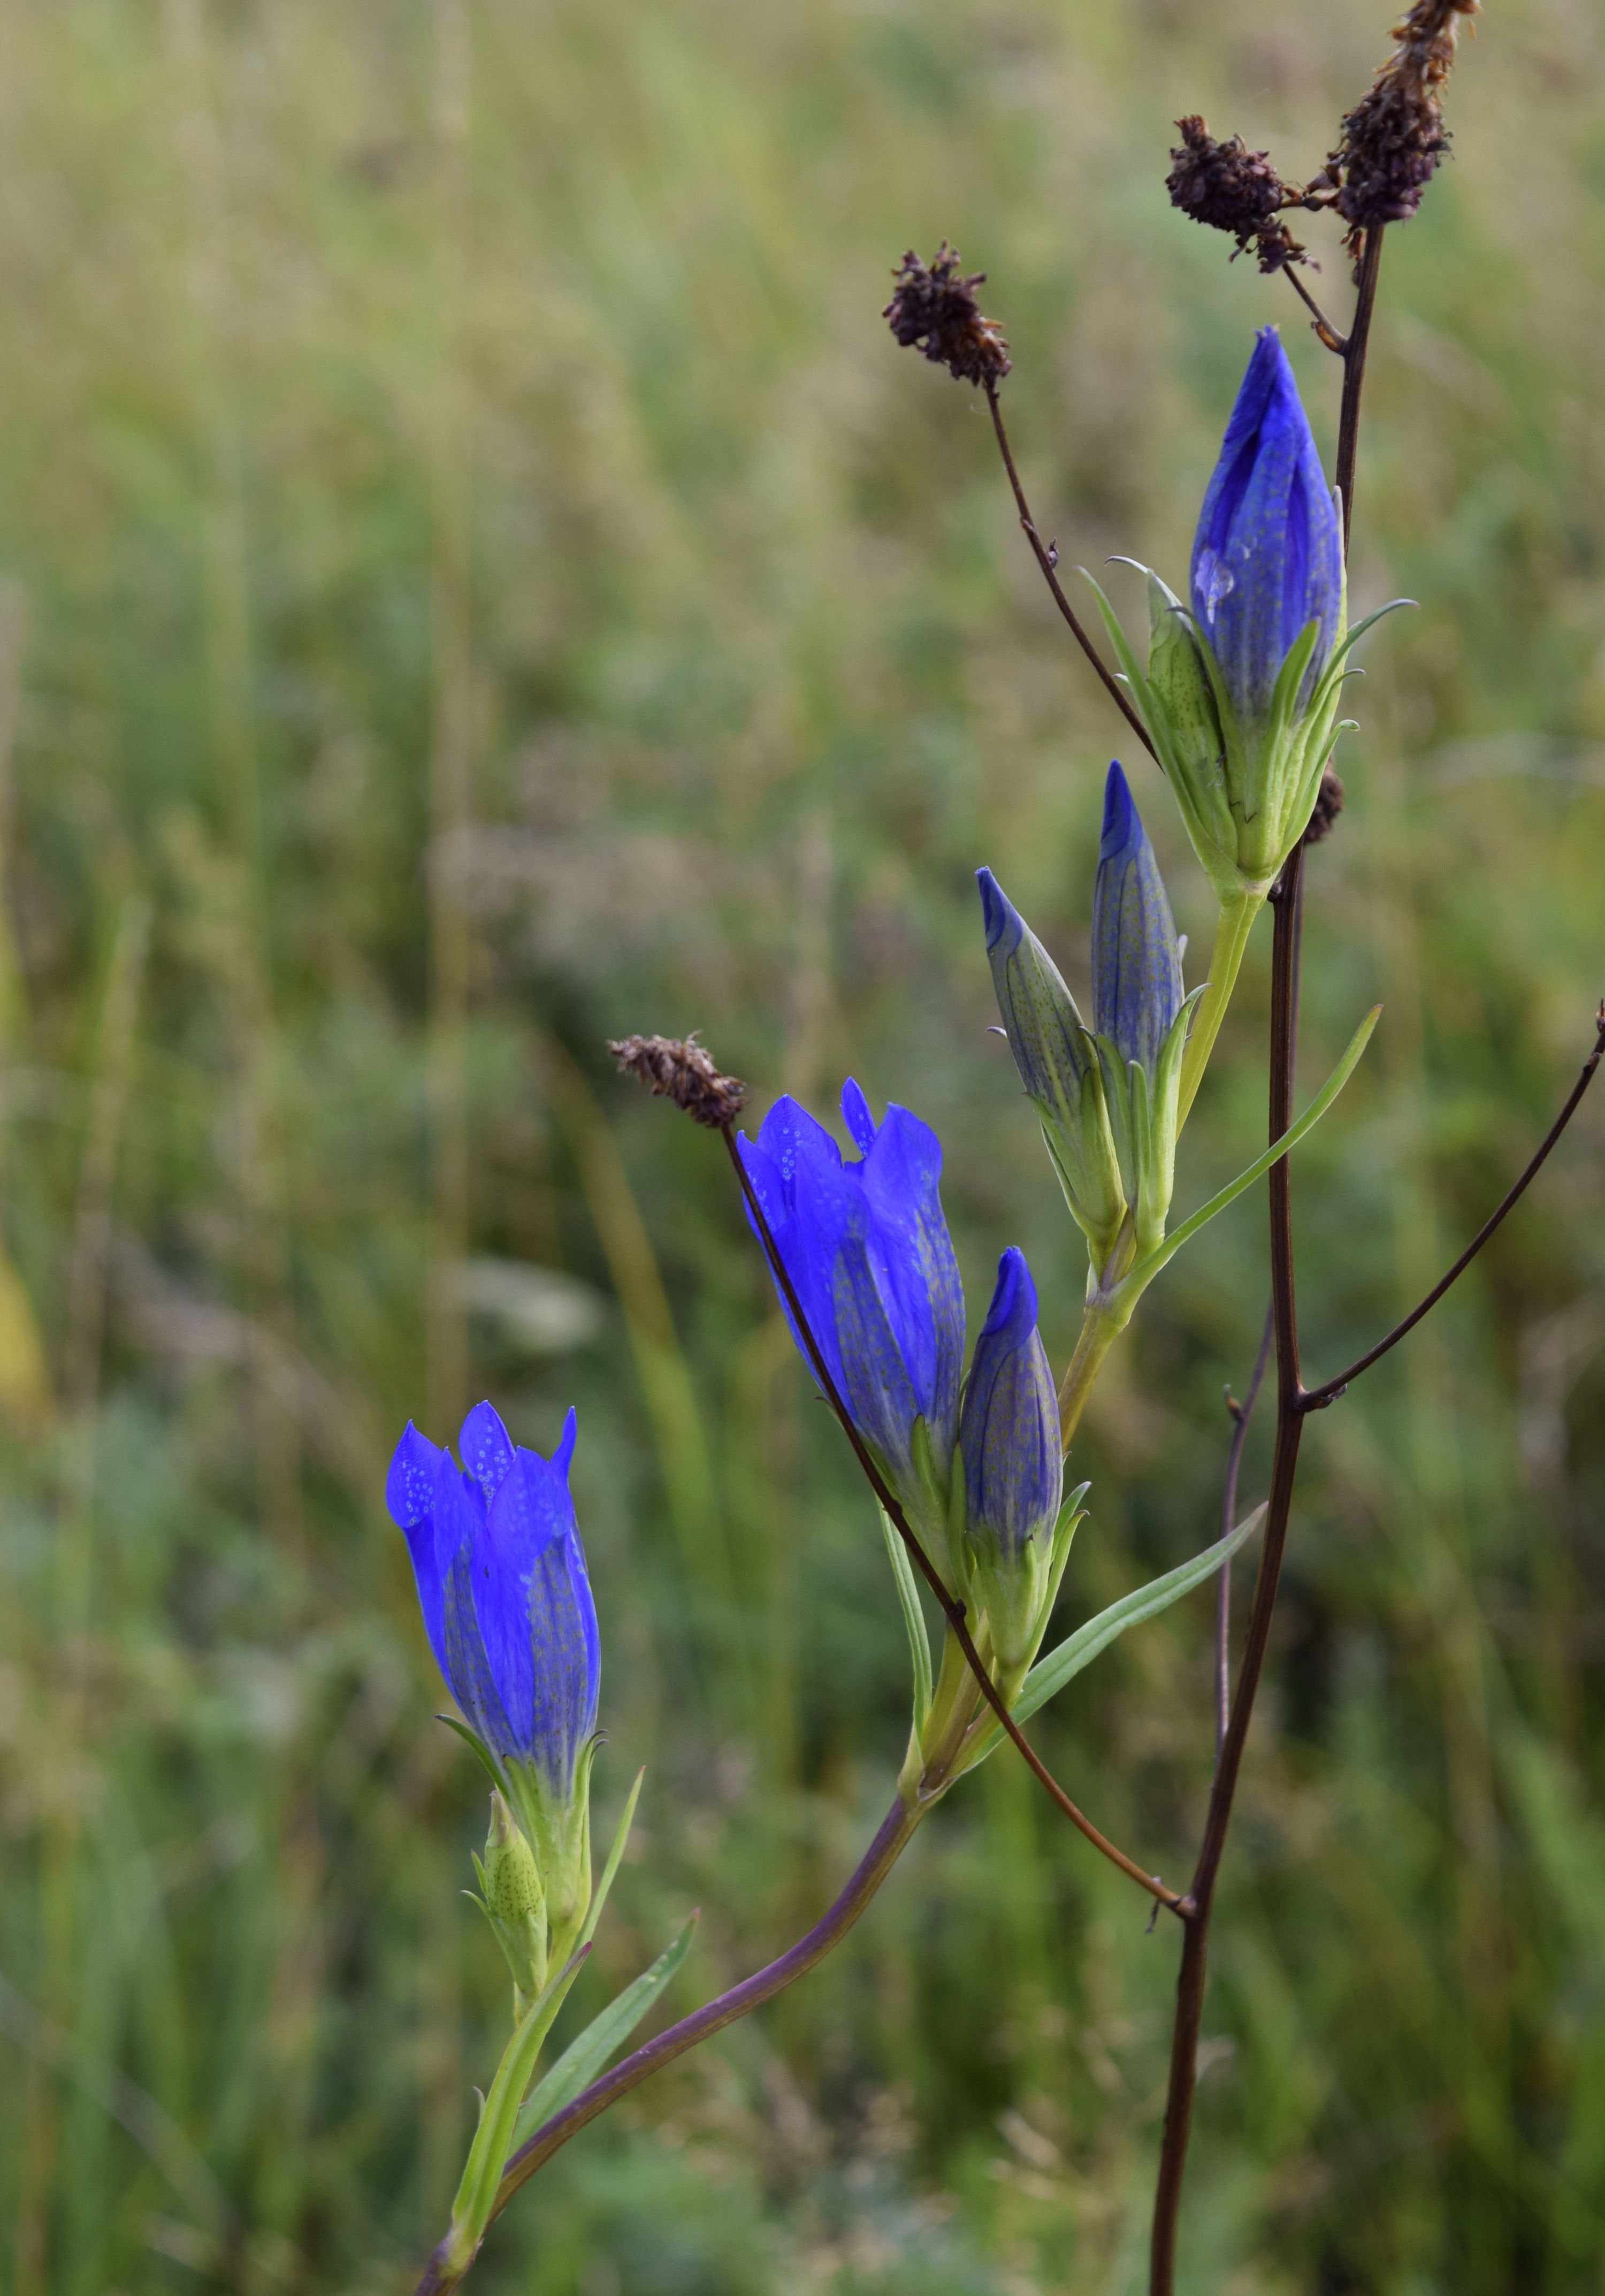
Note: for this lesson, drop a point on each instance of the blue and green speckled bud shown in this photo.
(1059, 1066)
(1013, 1467)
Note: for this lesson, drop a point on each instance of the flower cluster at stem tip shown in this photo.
(1107, 1096)
(976, 1464)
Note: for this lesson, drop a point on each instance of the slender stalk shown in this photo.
(1354, 377)
(1289, 1428)
(1099, 1331)
(953, 1610)
(1316, 1399)
(1289, 1423)
(1241, 1415)
(1324, 328)
(1047, 558)
(445, 2272)
(1231, 930)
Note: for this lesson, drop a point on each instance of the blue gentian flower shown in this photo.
(1268, 556)
(1009, 1429)
(866, 1246)
(1137, 987)
(506, 1594)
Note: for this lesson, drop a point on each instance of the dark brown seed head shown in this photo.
(1231, 189)
(1328, 805)
(933, 309)
(1393, 140)
(680, 1069)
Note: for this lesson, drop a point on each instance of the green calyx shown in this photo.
(1009, 1601)
(558, 1828)
(1144, 1119)
(1080, 1143)
(1246, 790)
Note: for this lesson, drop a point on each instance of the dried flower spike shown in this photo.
(1393, 140)
(681, 1070)
(1232, 189)
(933, 310)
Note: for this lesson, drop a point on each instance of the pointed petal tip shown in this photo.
(999, 915)
(410, 1483)
(1122, 822)
(1013, 1297)
(856, 1115)
(564, 1453)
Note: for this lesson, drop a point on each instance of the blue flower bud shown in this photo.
(1268, 556)
(1058, 1064)
(1009, 1429)
(1137, 988)
(1040, 1020)
(866, 1246)
(1014, 1467)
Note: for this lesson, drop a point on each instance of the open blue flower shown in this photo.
(1009, 1429)
(1137, 989)
(1268, 556)
(505, 1594)
(866, 1246)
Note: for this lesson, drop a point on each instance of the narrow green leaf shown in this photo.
(588, 2052)
(1049, 1676)
(914, 1618)
(1142, 1275)
(621, 1835)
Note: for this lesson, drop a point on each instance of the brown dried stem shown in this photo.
(1316, 1399)
(1047, 558)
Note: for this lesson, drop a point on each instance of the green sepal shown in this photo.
(560, 1832)
(498, 1777)
(1145, 1122)
(588, 2051)
(1081, 1147)
(914, 1618)
(931, 1499)
(1196, 753)
(1246, 792)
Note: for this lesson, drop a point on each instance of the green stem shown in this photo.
(1099, 1331)
(445, 2269)
(1238, 913)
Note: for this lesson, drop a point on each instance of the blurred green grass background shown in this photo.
(479, 579)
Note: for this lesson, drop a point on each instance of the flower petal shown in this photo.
(462, 1549)
(410, 1497)
(486, 1447)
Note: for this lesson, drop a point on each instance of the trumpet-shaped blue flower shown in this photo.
(1268, 556)
(866, 1246)
(506, 1594)
(1008, 1428)
(1137, 988)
